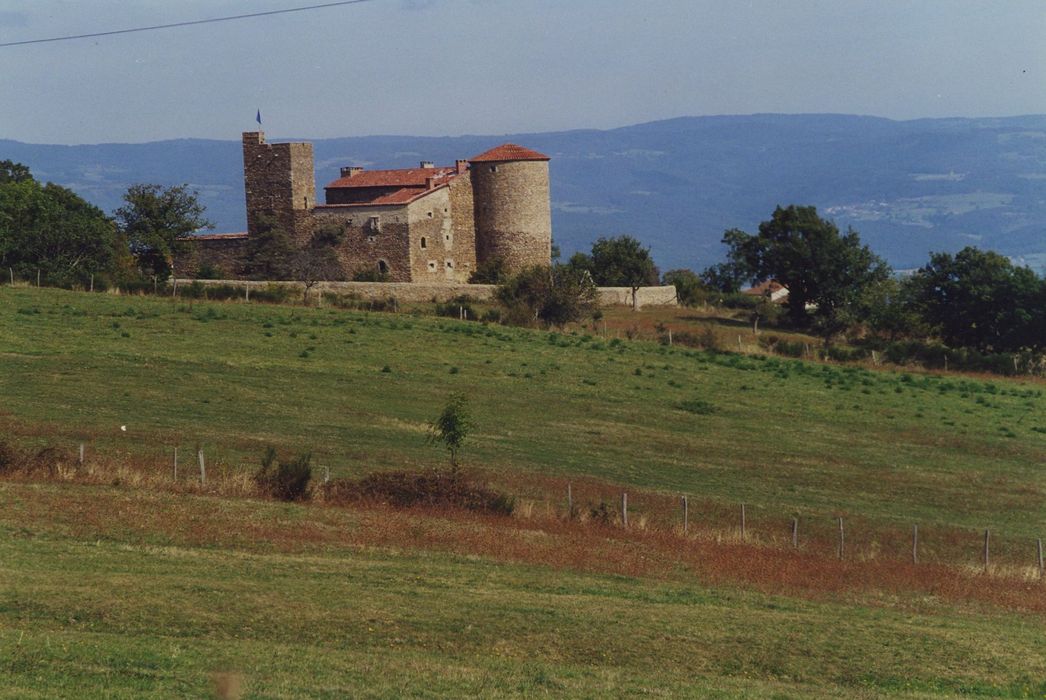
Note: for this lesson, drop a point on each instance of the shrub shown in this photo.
(209, 271)
(435, 488)
(602, 514)
(705, 338)
(698, 406)
(690, 290)
(286, 481)
(553, 296)
(11, 458)
(453, 308)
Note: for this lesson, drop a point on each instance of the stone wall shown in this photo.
(463, 225)
(376, 237)
(227, 255)
(512, 212)
(433, 246)
(413, 292)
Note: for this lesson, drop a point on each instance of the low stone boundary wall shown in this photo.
(412, 292)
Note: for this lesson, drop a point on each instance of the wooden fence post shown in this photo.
(669, 337)
(742, 522)
(570, 501)
(203, 467)
(38, 277)
(92, 281)
(795, 533)
(12, 271)
(1041, 571)
(624, 509)
(686, 515)
(176, 464)
(247, 291)
(842, 542)
(915, 544)
(987, 537)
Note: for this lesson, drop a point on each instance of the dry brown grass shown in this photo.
(654, 546)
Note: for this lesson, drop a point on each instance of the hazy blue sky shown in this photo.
(434, 67)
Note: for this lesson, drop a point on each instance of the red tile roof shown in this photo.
(508, 151)
(403, 195)
(409, 177)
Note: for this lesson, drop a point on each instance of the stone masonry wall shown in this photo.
(279, 183)
(412, 292)
(463, 225)
(366, 247)
(437, 256)
(226, 256)
(513, 213)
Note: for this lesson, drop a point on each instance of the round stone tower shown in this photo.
(512, 211)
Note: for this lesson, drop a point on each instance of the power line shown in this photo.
(183, 24)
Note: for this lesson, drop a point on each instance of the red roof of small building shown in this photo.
(407, 177)
(508, 151)
(765, 288)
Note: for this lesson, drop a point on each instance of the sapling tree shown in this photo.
(452, 427)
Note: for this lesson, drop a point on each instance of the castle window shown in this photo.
(430, 214)
(383, 267)
(450, 264)
(424, 243)
(432, 265)
(373, 225)
(493, 168)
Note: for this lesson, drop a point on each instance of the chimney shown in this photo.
(427, 164)
(461, 166)
(351, 171)
(429, 182)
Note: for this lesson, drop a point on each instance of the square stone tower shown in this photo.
(280, 185)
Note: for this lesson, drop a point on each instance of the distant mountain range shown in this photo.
(909, 187)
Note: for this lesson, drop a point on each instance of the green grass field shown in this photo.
(92, 606)
(96, 607)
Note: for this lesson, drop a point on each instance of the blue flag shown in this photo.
(258, 118)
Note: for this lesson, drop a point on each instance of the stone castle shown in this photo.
(430, 224)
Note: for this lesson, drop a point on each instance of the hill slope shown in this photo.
(148, 586)
(908, 187)
(359, 389)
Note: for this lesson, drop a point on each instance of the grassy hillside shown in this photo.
(124, 594)
(143, 587)
(358, 390)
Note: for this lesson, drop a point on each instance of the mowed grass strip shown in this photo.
(115, 606)
(782, 435)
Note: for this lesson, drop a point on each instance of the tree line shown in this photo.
(837, 286)
(50, 233)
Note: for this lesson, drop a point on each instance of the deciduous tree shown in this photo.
(980, 299)
(621, 261)
(823, 270)
(156, 221)
(51, 230)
